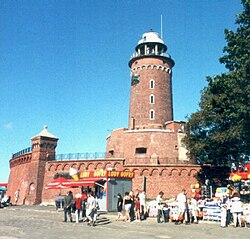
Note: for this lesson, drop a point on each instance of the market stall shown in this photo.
(240, 177)
(105, 184)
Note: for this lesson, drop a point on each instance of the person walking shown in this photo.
(95, 210)
(127, 202)
(84, 202)
(132, 209)
(160, 203)
(142, 196)
(193, 207)
(119, 206)
(78, 204)
(181, 201)
(68, 203)
(137, 209)
(90, 207)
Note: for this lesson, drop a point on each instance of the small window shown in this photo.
(135, 79)
(152, 99)
(152, 84)
(152, 114)
(141, 150)
(111, 152)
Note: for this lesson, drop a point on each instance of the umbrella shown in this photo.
(58, 183)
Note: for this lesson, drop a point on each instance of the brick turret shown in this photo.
(43, 150)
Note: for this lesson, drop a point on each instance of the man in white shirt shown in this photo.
(90, 211)
(182, 204)
(160, 204)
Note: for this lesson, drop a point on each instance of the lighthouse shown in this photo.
(151, 104)
(152, 136)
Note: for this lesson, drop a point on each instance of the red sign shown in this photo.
(106, 174)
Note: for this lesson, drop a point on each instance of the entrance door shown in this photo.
(115, 186)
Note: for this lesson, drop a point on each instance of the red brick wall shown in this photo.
(20, 172)
(170, 179)
(162, 146)
(167, 178)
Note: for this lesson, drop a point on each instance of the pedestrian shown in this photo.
(95, 210)
(90, 207)
(68, 203)
(84, 202)
(127, 202)
(78, 205)
(236, 208)
(181, 201)
(166, 212)
(132, 209)
(142, 196)
(160, 203)
(119, 206)
(137, 209)
(193, 207)
(16, 196)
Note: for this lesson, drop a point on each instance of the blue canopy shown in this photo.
(3, 188)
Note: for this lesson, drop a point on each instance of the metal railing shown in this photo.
(77, 156)
(21, 152)
(136, 54)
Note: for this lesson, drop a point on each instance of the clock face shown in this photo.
(135, 79)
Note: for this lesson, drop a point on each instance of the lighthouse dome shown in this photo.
(151, 36)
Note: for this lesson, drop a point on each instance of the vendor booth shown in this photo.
(104, 184)
(241, 181)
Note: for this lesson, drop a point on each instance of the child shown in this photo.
(137, 209)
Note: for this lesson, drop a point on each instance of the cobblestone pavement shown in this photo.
(40, 222)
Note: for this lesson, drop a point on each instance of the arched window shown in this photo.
(152, 115)
(152, 99)
(152, 84)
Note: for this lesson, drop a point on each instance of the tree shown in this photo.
(219, 132)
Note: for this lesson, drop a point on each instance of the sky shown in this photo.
(64, 63)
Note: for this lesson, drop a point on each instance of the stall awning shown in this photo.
(58, 183)
(3, 184)
(63, 183)
(83, 182)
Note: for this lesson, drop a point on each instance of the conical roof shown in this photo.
(45, 133)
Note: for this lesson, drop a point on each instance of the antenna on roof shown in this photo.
(161, 28)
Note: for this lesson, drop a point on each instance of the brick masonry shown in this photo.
(163, 170)
(150, 146)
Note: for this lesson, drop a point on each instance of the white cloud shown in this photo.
(8, 125)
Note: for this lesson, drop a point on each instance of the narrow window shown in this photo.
(141, 150)
(152, 99)
(111, 152)
(152, 114)
(152, 84)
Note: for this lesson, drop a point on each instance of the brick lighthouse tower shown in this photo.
(152, 137)
(151, 103)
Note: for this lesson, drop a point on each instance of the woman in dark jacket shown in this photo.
(119, 206)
